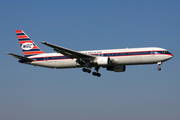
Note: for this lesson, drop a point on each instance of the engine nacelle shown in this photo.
(120, 68)
(102, 61)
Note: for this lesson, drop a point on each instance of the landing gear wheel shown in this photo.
(84, 70)
(159, 66)
(96, 74)
(88, 71)
(159, 69)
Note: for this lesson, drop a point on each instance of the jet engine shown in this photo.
(120, 68)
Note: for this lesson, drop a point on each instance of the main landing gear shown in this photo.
(94, 73)
(159, 66)
(86, 70)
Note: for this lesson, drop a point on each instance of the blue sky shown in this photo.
(140, 93)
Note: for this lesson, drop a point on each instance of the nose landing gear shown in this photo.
(159, 66)
(159, 69)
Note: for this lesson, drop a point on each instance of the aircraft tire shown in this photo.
(84, 70)
(88, 71)
(94, 73)
(98, 74)
(159, 69)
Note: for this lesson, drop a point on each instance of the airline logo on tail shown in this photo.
(28, 47)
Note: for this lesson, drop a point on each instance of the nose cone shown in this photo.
(170, 55)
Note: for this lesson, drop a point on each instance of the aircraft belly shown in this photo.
(147, 59)
(135, 60)
(50, 64)
(120, 60)
(159, 58)
(56, 64)
(128, 60)
(66, 63)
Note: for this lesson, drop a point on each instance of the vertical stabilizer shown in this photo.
(28, 47)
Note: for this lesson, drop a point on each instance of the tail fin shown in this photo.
(28, 47)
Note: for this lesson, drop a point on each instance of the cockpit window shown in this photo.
(164, 51)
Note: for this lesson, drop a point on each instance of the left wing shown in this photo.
(21, 57)
(70, 53)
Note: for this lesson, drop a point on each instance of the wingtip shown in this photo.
(43, 42)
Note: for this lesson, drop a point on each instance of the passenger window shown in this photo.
(155, 52)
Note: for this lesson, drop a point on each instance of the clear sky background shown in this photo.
(140, 93)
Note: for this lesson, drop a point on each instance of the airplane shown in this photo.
(112, 59)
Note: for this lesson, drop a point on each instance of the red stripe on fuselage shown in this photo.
(169, 54)
(140, 55)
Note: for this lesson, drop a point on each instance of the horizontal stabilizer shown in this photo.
(21, 57)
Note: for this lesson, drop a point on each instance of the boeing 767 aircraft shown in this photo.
(111, 59)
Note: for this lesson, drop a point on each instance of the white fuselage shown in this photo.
(129, 56)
